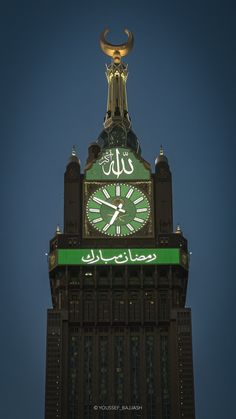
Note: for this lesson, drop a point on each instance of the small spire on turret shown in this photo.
(73, 157)
(178, 229)
(161, 157)
(58, 230)
(73, 153)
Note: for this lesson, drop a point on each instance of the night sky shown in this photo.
(181, 93)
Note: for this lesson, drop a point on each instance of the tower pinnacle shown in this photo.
(58, 230)
(117, 123)
(117, 73)
(73, 152)
(178, 229)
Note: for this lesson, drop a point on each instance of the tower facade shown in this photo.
(119, 339)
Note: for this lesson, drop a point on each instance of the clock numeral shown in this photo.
(105, 228)
(117, 190)
(94, 210)
(141, 209)
(130, 227)
(107, 195)
(138, 200)
(117, 229)
(129, 193)
(97, 220)
(139, 220)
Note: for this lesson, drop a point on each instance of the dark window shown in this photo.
(118, 308)
(149, 307)
(134, 309)
(103, 310)
(89, 309)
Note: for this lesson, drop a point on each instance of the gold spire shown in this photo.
(117, 73)
(116, 51)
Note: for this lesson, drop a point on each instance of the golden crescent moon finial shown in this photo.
(116, 51)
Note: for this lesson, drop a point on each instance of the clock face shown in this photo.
(118, 210)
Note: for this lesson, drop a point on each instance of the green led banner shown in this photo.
(118, 164)
(117, 257)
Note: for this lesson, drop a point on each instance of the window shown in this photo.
(118, 307)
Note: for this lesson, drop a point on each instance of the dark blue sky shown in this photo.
(181, 93)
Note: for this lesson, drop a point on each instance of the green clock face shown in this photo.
(118, 210)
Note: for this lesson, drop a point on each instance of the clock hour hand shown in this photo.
(114, 217)
(100, 201)
(116, 213)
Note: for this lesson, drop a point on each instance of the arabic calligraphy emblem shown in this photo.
(116, 163)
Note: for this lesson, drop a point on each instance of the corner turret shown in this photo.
(72, 191)
(163, 191)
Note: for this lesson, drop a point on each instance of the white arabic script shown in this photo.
(96, 256)
(114, 163)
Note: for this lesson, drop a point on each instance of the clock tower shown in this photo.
(119, 339)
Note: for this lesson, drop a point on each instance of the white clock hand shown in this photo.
(116, 213)
(114, 217)
(100, 201)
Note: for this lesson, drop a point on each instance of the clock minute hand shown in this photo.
(100, 201)
(116, 213)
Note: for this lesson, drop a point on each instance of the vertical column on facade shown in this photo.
(88, 376)
(143, 369)
(81, 362)
(182, 365)
(174, 368)
(120, 373)
(185, 364)
(65, 358)
(112, 366)
(151, 385)
(127, 375)
(53, 408)
(157, 375)
(135, 369)
(73, 373)
(165, 374)
(95, 368)
(103, 373)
